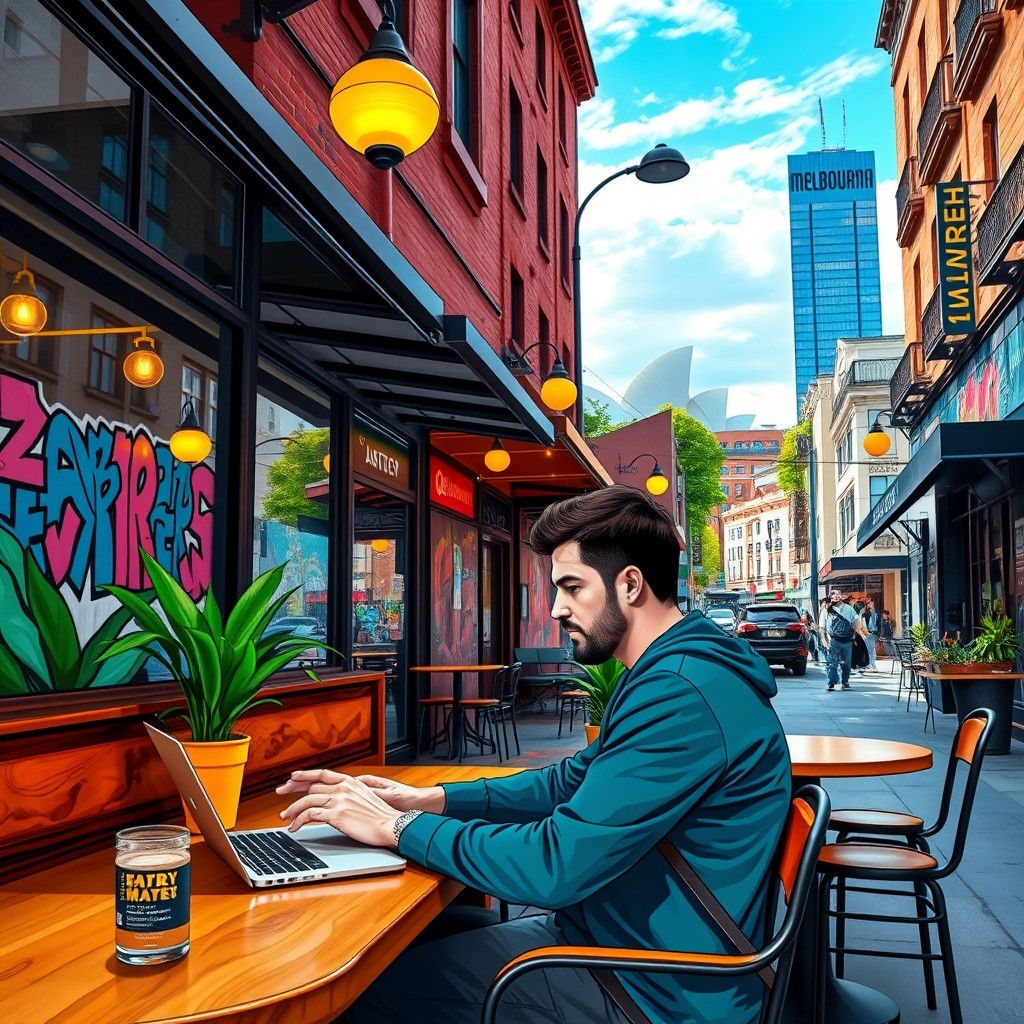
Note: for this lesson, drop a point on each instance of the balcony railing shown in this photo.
(939, 124)
(1001, 225)
(864, 371)
(909, 201)
(909, 386)
(979, 30)
(937, 344)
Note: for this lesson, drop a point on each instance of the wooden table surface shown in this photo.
(296, 954)
(818, 757)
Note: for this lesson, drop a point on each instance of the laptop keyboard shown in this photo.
(274, 853)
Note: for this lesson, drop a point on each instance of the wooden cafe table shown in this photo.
(300, 954)
(815, 758)
(457, 720)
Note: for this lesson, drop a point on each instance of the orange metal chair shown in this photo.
(896, 850)
(795, 869)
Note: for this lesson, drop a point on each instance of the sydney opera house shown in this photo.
(666, 381)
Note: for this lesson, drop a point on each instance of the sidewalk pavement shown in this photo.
(985, 897)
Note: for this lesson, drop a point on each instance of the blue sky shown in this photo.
(705, 261)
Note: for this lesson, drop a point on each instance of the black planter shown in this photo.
(940, 695)
(994, 693)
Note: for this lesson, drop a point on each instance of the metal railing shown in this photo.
(1001, 220)
(940, 96)
(932, 334)
(908, 383)
(967, 16)
(864, 371)
(907, 187)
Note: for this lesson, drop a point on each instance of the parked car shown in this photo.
(300, 625)
(777, 633)
(724, 617)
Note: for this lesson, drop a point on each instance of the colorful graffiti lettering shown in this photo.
(83, 495)
(979, 399)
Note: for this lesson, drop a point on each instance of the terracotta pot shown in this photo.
(592, 733)
(220, 767)
(965, 669)
(990, 666)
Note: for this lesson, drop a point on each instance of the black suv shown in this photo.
(776, 632)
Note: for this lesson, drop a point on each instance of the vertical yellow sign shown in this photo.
(956, 266)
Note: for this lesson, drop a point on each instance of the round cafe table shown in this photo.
(457, 720)
(814, 758)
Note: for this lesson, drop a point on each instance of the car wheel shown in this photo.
(798, 668)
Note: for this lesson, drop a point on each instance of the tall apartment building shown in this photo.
(833, 233)
(959, 387)
(756, 552)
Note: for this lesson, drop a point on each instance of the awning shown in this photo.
(860, 565)
(955, 454)
(356, 308)
(564, 467)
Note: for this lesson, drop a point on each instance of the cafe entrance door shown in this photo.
(494, 596)
(379, 589)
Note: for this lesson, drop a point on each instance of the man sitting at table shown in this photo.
(690, 748)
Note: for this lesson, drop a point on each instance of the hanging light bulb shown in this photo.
(327, 463)
(558, 391)
(143, 367)
(22, 312)
(380, 545)
(383, 107)
(497, 460)
(190, 443)
(657, 482)
(877, 442)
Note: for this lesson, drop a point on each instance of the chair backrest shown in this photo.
(498, 686)
(511, 687)
(797, 870)
(969, 746)
(904, 650)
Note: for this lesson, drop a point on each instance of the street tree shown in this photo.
(699, 457)
(300, 463)
(793, 464)
(597, 418)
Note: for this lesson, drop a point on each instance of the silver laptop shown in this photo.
(272, 856)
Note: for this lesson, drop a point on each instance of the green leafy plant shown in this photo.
(219, 665)
(998, 640)
(920, 637)
(599, 685)
(949, 652)
(39, 647)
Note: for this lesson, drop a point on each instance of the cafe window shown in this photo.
(102, 483)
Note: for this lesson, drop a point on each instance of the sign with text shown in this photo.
(451, 489)
(956, 267)
(379, 457)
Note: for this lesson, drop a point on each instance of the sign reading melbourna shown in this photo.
(451, 489)
(956, 267)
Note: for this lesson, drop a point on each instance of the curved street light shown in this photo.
(656, 483)
(877, 443)
(657, 167)
(557, 391)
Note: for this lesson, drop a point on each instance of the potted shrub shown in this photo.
(599, 684)
(219, 664)
(995, 648)
(949, 657)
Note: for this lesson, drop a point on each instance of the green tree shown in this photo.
(699, 457)
(712, 558)
(301, 463)
(793, 465)
(597, 418)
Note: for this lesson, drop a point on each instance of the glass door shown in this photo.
(494, 646)
(379, 588)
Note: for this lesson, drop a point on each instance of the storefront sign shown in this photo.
(379, 458)
(451, 489)
(495, 513)
(956, 267)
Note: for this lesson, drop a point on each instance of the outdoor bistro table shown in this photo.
(987, 690)
(456, 671)
(814, 758)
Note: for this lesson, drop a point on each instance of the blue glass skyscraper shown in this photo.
(833, 232)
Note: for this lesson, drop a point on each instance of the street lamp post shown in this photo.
(659, 165)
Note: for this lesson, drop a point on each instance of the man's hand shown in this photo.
(406, 798)
(340, 801)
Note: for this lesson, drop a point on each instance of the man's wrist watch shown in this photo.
(402, 820)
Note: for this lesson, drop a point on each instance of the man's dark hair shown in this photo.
(615, 527)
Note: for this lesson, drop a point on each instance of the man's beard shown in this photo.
(603, 638)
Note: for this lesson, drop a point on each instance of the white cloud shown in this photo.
(751, 99)
(646, 101)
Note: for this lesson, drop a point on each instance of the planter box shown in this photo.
(939, 693)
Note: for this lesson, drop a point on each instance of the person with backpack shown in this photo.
(837, 629)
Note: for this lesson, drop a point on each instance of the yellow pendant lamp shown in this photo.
(657, 482)
(22, 313)
(877, 443)
(383, 107)
(497, 459)
(380, 545)
(142, 366)
(327, 463)
(190, 443)
(558, 391)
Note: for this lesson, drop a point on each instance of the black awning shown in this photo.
(858, 565)
(954, 454)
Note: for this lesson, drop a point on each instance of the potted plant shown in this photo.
(950, 656)
(599, 684)
(219, 664)
(995, 648)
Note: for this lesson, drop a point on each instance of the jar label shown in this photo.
(152, 901)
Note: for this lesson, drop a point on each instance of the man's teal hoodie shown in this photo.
(691, 748)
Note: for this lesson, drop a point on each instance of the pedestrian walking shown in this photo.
(837, 630)
(872, 628)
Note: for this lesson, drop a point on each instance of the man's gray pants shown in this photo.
(443, 977)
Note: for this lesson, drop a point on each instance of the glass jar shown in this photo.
(151, 893)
